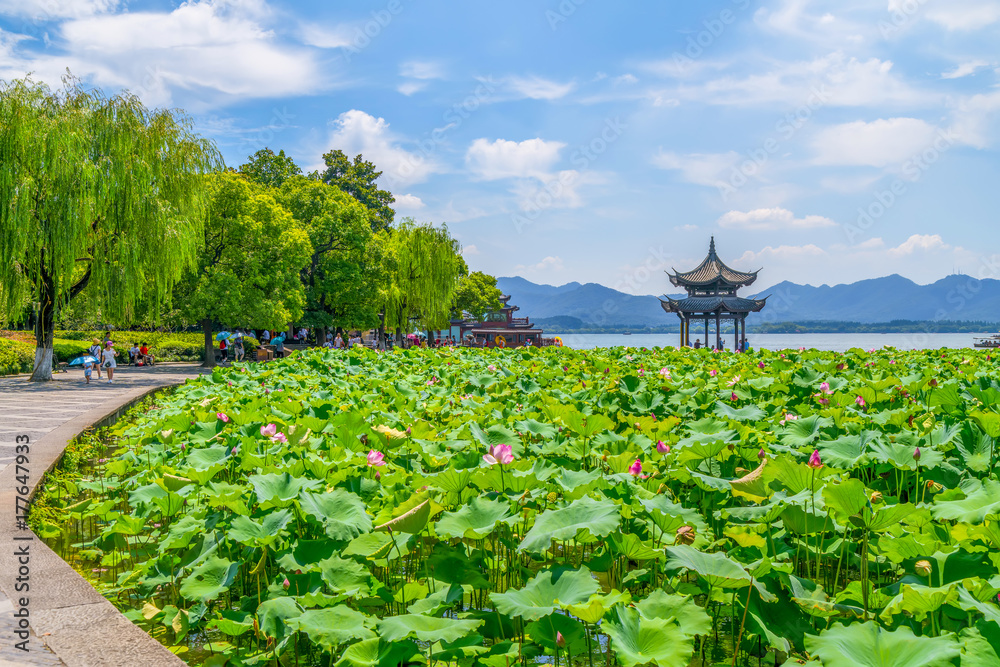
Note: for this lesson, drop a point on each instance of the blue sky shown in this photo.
(824, 141)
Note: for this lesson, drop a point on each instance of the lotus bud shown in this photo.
(735, 397)
(923, 568)
(560, 640)
(916, 454)
(286, 583)
(685, 535)
(815, 462)
(662, 447)
(933, 382)
(761, 454)
(407, 430)
(731, 447)
(876, 497)
(183, 446)
(378, 476)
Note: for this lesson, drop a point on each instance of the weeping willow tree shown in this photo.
(428, 266)
(97, 193)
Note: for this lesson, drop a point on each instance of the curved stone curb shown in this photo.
(75, 621)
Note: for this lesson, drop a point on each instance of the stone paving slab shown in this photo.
(71, 623)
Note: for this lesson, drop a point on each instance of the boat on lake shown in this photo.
(987, 341)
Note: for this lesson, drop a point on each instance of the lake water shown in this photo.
(836, 342)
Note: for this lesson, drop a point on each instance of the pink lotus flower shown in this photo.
(825, 388)
(815, 462)
(760, 364)
(662, 447)
(636, 467)
(824, 401)
(375, 458)
(491, 368)
(502, 454)
(269, 430)
(841, 367)
(734, 381)
(735, 397)
(860, 401)
(279, 437)
(665, 372)
(713, 372)
(788, 418)
(222, 416)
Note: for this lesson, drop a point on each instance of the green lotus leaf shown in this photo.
(980, 645)
(345, 576)
(341, 512)
(980, 499)
(277, 617)
(593, 610)
(425, 628)
(682, 609)
(846, 498)
(804, 431)
(544, 631)
(545, 592)
(919, 601)
(883, 518)
(210, 579)
(247, 531)
(329, 628)
(473, 521)
(207, 457)
(582, 520)
(379, 653)
(280, 489)
(746, 413)
(638, 640)
(847, 451)
(868, 645)
(718, 570)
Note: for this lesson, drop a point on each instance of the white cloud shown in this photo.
(209, 46)
(965, 69)
(335, 37)
(537, 88)
(422, 69)
(358, 132)
(919, 243)
(700, 168)
(871, 244)
(960, 14)
(407, 203)
(547, 265)
(49, 10)
(470, 250)
(782, 252)
(877, 144)
(511, 159)
(762, 219)
(561, 190)
(625, 79)
(686, 228)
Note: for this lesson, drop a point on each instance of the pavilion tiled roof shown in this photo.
(711, 271)
(708, 304)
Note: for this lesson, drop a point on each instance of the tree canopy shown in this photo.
(97, 191)
(428, 267)
(248, 267)
(357, 179)
(270, 169)
(476, 294)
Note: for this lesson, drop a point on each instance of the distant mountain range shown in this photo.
(951, 299)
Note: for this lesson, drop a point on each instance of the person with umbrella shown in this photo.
(88, 362)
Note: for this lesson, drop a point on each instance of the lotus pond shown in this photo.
(496, 507)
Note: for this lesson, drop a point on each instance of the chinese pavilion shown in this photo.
(711, 289)
(501, 329)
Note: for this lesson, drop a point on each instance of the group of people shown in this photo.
(720, 345)
(234, 343)
(338, 343)
(106, 357)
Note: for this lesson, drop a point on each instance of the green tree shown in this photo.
(248, 268)
(476, 294)
(96, 191)
(270, 169)
(357, 179)
(428, 266)
(346, 270)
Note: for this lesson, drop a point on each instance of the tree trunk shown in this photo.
(381, 330)
(206, 326)
(44, 331)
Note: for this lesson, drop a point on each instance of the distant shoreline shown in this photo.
(806, 327)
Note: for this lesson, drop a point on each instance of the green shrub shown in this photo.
(15, 357)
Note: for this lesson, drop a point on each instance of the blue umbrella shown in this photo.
(222, 335)
(79, 361)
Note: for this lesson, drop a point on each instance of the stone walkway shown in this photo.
(34, 409)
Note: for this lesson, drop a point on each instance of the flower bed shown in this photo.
(491, 507)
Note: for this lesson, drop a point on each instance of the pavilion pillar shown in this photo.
(706, 331)
(718, 329)
(736, 332)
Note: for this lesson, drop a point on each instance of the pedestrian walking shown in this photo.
(108, 360)
(95, 352)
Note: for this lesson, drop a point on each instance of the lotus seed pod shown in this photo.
(876, 497)
(661, 488)
(685, 535)
(923, 568)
